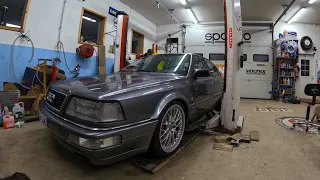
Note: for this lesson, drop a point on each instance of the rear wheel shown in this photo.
(169, 131)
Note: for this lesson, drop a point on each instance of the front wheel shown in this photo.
(169, 131)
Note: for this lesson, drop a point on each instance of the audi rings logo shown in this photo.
(51, 97)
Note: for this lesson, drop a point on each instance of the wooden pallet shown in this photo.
(153, 164)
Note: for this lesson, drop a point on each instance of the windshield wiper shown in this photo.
(140, 70)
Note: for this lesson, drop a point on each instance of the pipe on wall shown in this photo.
(284, 12)
(61, 20)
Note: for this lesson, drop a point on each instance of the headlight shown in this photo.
(94, 111)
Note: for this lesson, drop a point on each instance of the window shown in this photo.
(92, 28)
(199, 63)
(217, 57)
(261, 57)
(137, 42)
(13, 14)
(165, 63)
(305, 67)
(212, 68)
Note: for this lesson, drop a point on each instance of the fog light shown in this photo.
(95, 143)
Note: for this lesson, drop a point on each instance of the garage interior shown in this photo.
(78, 98)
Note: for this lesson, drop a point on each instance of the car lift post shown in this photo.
(121, 41)
(230, 118)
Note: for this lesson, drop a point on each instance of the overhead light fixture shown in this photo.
(192, 16)
(12, 25)
(296, 16)
(89, 19)
(311, 1)
(183, 2)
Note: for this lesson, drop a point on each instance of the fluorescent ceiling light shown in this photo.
(192, 16)
(183, 2)
(12, 25)
(311, 1)
(296, 16)
(89, 19)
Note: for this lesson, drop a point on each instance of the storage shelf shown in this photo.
(285, 85)
(286, 68)
(287, 58)
(288, 76)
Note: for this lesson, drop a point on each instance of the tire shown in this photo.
(305, 46)
(168, 130)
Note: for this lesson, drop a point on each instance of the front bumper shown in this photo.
(135, 139)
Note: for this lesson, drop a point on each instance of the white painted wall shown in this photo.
(163, 33)
(313, 31)
(44, 18)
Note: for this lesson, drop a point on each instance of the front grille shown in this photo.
(57, 101)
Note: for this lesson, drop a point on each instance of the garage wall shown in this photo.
(207, 39)
(313, 31)
(43, 23)
(163, 32)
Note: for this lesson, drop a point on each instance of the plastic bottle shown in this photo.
(8, 122)
(6, 110)
(18, 111)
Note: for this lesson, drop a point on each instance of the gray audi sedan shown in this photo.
(109, 118)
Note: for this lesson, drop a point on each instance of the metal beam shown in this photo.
(284, 12)
(166, 9)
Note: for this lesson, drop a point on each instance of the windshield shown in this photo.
(166, 63)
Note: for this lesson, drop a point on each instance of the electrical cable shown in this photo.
(115, 23)
(20, 37)
(36, 75)
(60, 44)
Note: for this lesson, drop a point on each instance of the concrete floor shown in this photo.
(280, 154)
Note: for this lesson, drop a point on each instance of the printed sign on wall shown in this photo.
(113, 11)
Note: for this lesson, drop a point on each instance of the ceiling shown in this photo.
(212, 10)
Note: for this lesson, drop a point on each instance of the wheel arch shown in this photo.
(169, 99)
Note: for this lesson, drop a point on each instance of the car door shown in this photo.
(203, 86)
(217, 81)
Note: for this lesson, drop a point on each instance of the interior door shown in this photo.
(307, 74)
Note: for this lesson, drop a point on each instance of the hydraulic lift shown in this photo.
(229, 118)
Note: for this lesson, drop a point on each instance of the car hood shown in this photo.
(94, 87)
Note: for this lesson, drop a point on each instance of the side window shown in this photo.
(261, 57)
(92, 28)
(13, 14)
(137, 43)
(199, 63)
(213, 69)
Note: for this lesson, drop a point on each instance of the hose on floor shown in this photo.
(21, 38)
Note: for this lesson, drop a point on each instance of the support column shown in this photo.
(233, 50)
(121, 41)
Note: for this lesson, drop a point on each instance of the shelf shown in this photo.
(288, 76)
(285, 85)
(286, 68)
(287, 58)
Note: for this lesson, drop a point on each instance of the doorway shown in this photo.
(307, 74)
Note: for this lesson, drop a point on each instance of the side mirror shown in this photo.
(201, 73)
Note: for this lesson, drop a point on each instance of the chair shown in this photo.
(314, 91)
